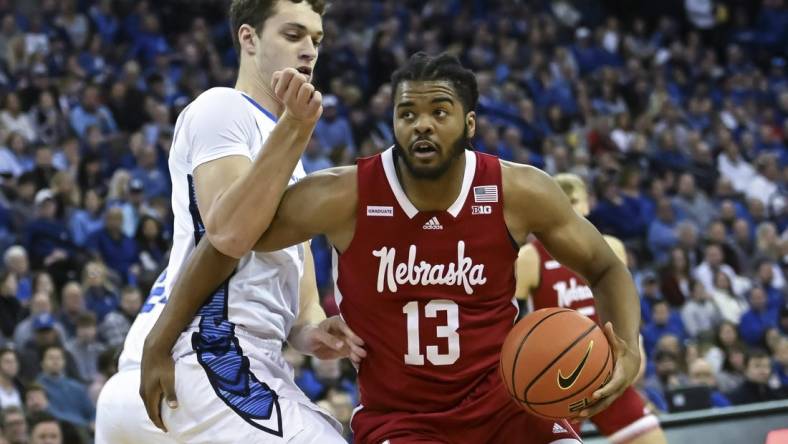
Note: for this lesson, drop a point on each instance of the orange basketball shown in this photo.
(553, 360)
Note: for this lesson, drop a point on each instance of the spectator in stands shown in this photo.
(84, 222)
(107, 366)
(68, 399)
(36, 399)
(757, 319)
(16, 262)
(72, 306)
(712, 263)
(13, 119)
(41, 302)
(99, 296)
(14, 425)
(152, 247)
(333, 130)
(769, 277)
(730, 305)
(45, 429)
(693, 203)
(701, 373)
(48, 239)
(155, 183)
(731, 376)
(11, 310)
(662, 231)
(85, 347)
(12, 392)
(756, 387)
(315, 158)
(118, 251)
(663, 321)
(116, 324)
(674, 278)
(31, 356)
(700, 314)
(90, 111)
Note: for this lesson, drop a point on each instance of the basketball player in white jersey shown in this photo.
(234, 151)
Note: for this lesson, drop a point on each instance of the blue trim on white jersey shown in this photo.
(220, 354)
(269, 114)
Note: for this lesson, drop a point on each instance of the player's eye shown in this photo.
(292, 37)
(407, 115)
(440, 113)
(317, 43)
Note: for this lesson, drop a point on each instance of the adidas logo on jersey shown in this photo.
(433, 224)
(557, 428)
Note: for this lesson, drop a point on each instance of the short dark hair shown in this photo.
(255, 12)
(756, 353)
(42, 417)
(422, 67)
(86, 319)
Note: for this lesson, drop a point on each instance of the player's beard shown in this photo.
(456, 149)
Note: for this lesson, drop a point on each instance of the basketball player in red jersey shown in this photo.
(426, 235)
(550, 284)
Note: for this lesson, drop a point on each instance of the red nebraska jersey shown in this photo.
(430, 293)
(561, 287)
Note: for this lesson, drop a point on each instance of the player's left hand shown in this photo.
(333, 339)
(627, 365)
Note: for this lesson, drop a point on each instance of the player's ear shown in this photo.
(246, 37)
(470, 124)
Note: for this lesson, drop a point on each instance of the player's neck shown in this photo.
(432, 194)
(254, 87)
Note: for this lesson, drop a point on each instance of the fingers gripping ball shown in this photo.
(553, 360)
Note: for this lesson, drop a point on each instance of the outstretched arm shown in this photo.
(536, 204)
(526, 271)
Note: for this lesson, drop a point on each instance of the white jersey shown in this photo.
(261, 297)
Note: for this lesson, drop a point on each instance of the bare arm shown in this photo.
(536, 204)
(618, 248)
(526, 271)
(238, 198)
(322, 203)
(309, 310)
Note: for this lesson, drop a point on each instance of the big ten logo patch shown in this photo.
(481, 209)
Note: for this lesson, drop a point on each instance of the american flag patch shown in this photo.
(485, 194)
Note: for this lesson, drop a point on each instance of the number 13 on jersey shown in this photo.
(412, 311)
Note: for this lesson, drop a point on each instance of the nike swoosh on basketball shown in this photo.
(567, 382)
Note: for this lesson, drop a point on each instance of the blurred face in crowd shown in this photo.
(765, 272)
(661, 314)
(714, 255)
(758, 299)
(114, 220)
(130, 302)
(53, 362)
(94, 274)
(699, 292)
(40, 303)
(702, 373)
(9, 365)
(758, 370)
(18, 262)
(73, 299)
(15, 426)
(36, 401)
(431, 127)
(47, 432)
(728, 334)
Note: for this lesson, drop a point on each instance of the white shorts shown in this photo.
(120, 414)
(243, 394)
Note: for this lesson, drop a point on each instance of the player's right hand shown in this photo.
(302, 102)
(157, 381)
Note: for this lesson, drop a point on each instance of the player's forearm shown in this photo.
(310, 312)
(204, 271)
(617, 301)
(245, 210)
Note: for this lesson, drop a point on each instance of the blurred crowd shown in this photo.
(675, 113)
